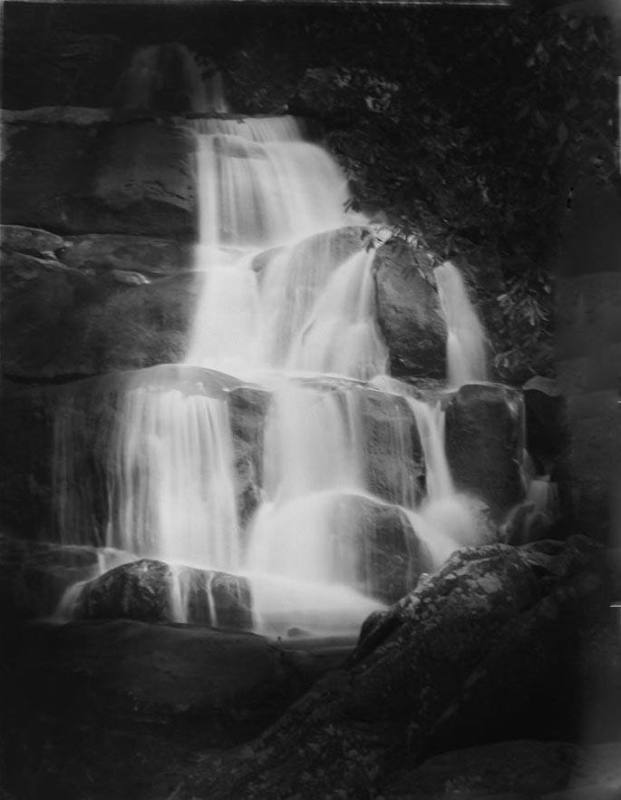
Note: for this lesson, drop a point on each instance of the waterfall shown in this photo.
(286, 304)
(466, 341)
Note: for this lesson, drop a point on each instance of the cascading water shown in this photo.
(287, 303)
(172, 497)
(465, 348)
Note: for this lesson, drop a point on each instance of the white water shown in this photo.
(466, 340)
(287, 294)
(173, 490)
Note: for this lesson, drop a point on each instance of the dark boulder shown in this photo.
(484, 444)
(409, 314)
(133, 178)
(152, 591)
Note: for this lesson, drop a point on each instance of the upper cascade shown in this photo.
(269, 196)
(167, 77)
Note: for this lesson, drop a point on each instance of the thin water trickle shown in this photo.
(466, 341)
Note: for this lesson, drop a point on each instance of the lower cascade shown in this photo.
(340, 496)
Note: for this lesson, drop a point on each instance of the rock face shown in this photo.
(409, 314)
(484, 444)
(133, 178)
(452, 664)
(152, 591)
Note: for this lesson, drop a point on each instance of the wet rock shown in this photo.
(484, 444)
(390, 556)
(393, 454)
(409, 314)
(248, 409)
(134, 178)
(152, 591)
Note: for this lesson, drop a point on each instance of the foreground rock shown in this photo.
(449, 666)
(409, 314)
(152, 591)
